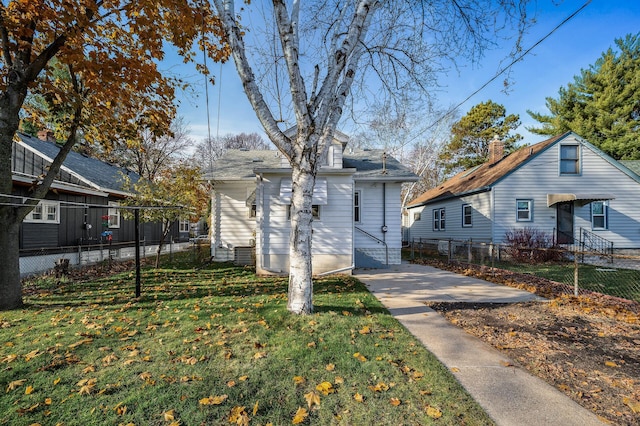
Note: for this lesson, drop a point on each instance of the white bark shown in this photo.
(316, 120)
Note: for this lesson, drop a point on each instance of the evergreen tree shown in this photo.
(470, 136)
(602, 104)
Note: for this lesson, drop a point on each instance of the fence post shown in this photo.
(491, 249)
(449, 251)
(469, 255)
(575, 273)
(413, 241)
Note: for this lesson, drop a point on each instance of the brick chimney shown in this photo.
(46, 135)
(496, 150)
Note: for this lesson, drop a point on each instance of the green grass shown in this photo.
(617, 282)
(89, 354)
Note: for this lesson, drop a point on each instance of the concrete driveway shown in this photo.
(509, 394)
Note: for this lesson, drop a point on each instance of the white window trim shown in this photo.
(114, 212)
(577, 160)
(470, 224)
(604, 215)
(184, 225)
(529, 209)
(42, 207)
(439, 219)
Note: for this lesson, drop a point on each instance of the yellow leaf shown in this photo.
(144, 375)
(359, 357)
(455, 369)
(28, 390)
(213, 400)
(380, 387)
(300, 416)
(634, 405)
(16, 383)
(243, 378)
(48, 401)
(338, 380)
(312, 398)
(169, 416)
(358, 397)
(330, 367)
(610, 364)
(9, 358)
(311, 344)
(365, 330)
(255, 408)
(231, 383)
(325, 388)
(394, 401)
(259, 355)
(89, 369)
(239, 416)
(56, 381)
(298, 380)
(433, 412)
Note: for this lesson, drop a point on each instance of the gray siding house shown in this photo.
(563, 186)
(356, 207)
(82, 206)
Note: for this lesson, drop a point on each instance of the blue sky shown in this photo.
(552, 64)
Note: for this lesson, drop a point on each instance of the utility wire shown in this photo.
(500, 72)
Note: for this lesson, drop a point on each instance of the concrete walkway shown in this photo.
(510, 395)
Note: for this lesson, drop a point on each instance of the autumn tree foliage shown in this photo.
(470, 136)
(602, 104)
(110, 52)
(325, 50)
(176, 192)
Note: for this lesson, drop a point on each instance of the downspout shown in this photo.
(384, 222)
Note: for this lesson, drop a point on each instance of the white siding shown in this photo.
(332, 232)
(232, 226)
(480, 229)
(372, 219)
(540, 177)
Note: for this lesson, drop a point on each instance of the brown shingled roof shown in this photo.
(482, 177)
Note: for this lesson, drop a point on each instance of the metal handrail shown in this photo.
(379, 241)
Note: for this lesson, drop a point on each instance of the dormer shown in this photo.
(333, 158)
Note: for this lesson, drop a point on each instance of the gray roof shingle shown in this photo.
(104, 176)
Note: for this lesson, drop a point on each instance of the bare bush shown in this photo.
(531, 245)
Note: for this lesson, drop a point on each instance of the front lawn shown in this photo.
(216, 346)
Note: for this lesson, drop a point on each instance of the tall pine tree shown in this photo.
(470, 136)
(602, 104)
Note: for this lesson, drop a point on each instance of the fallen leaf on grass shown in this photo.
(298, 380)
(16, 383)
(380, 387)
(312, 398)
(365, 330)
(325, 388)
(169, 416)
(300, 416)
(610, 364)
(330, 367)
(213, 400)
(358, 397)
(395, 402)
(255, 408)
(239, 416)
(433, 412)
(359, 357)
(28, 390)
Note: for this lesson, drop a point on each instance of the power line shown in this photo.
(502, 71)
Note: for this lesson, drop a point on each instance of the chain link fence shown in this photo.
(59, 260)
(572, 269)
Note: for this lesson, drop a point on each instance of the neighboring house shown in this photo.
(81, 207)
(563, 186)
(356, 208)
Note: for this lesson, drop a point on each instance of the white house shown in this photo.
(563, 186)
(356, 207)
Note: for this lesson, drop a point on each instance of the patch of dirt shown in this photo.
(587, 346)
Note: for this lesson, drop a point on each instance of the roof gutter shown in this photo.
(448, 197)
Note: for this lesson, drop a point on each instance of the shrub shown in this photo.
(530, 245)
